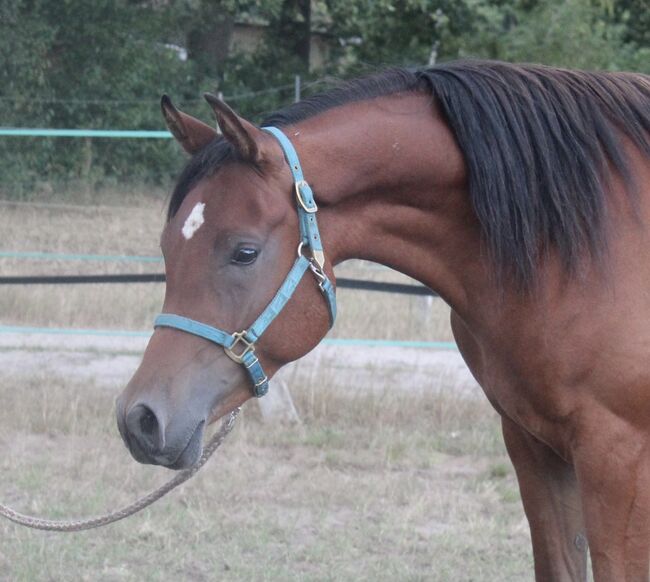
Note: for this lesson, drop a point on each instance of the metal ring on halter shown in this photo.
(316, 262)
(317, 257)
(299, 251)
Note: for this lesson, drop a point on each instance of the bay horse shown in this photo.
(520, 193)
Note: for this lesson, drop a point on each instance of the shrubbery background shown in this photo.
(103, 64)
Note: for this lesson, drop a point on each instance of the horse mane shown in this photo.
(540, 145)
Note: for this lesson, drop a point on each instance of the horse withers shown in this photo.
(520, 193)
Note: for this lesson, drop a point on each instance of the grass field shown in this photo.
(372, 485)
(111, 230)
(368, 487)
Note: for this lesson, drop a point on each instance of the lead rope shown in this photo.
(82, 524)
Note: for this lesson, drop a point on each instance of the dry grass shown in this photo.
(136, 231)
(369, 487)
(373, 485)
(85, 230)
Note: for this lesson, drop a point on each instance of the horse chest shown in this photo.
(519, 386)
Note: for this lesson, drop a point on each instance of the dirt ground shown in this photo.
(111, 360)
(374, 483)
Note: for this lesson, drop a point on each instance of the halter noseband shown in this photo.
(240, 346)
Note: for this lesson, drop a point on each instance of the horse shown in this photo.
(519, 193)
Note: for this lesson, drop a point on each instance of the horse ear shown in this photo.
(191, 133)
(245, 137)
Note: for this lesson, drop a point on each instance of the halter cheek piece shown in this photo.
(240, 346)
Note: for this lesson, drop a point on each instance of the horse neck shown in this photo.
(391, 184)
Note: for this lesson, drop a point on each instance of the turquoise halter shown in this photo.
(240, 346)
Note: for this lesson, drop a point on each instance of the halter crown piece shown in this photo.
(240, 346)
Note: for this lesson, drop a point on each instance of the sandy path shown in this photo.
(110, 362)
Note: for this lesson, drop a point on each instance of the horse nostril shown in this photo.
(143, 425)
(148, 422)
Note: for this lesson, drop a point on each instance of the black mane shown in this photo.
(538, 142)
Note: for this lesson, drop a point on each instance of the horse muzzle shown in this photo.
(151, 440)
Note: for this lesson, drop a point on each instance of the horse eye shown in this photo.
(244, 256)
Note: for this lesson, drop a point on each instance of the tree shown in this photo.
(398, 32)
(634, 15)
(83, 64)
(539, 33)
(105, 63)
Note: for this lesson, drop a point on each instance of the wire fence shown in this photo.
(341, 282)
(356, 342)
(39, 165)
(359, 284)
(149, 102)
(41, 279)
(402, 289)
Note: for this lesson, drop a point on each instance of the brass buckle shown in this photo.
(301, 200)
(238, 357)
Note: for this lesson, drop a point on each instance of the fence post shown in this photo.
(278, 405)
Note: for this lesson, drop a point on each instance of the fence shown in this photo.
(157, 277)
(101, 278)
(342, 282)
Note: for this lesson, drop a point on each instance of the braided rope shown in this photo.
(82, 524)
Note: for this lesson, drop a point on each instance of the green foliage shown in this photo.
(24, 44)
(591, 34)
(105, 63)
(567, 33)
(634, 15)
(256, 85)
(406, 32)
(82, 64)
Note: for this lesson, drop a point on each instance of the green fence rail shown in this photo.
(49, 256)
(19, 329)
(110, 133)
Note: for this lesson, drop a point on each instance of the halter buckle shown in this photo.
(247, 347)
(308, 209)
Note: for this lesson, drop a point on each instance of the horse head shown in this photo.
(235, 249)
